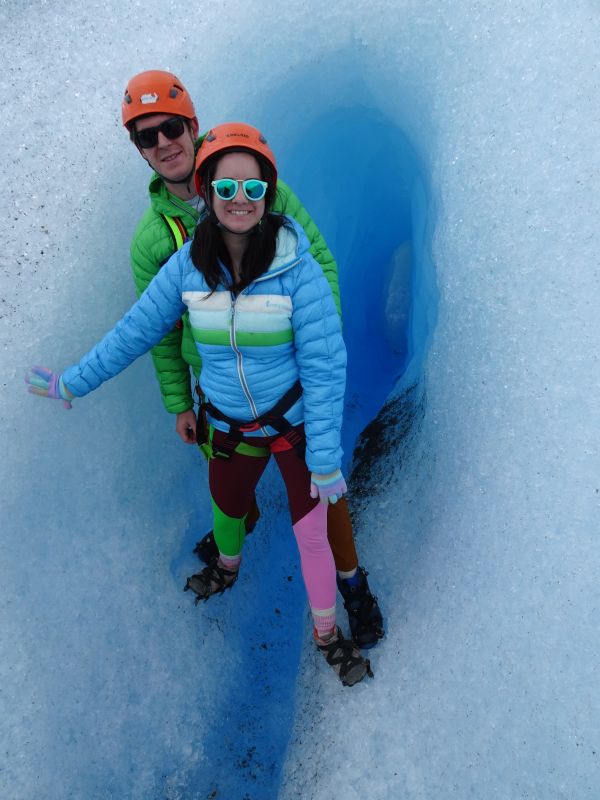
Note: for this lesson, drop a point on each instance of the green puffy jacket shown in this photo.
(153, 244)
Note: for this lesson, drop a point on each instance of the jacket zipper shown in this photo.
(239, 360)
(186, 208)
(233, 343)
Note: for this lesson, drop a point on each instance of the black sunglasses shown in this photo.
(172, 128)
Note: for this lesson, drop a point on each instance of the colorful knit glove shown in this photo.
(43, 382)
(328, 488)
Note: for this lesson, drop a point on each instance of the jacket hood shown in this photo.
(292, 244)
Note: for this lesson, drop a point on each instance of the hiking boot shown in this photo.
(364, 614)
(343, 656)
(213, 579)
(206, 549)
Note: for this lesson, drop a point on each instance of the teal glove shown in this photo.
(45, 383)
(328, 488)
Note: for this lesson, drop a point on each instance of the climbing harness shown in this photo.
(273, 418)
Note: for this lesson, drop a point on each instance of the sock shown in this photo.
(352, 578)
(325, 637)
(231, 563)
(324, 621)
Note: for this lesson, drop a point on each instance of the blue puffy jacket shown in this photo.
(254, 346)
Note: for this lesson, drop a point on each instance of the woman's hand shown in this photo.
(328, 488)
(45, 383)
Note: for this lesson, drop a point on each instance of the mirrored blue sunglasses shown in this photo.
(227, 188)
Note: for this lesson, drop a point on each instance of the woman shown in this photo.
(273, 372)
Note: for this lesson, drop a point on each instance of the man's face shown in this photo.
(173, 159)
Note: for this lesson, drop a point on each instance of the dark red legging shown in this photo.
(232, 484)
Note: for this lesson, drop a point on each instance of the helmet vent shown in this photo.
(149, 98)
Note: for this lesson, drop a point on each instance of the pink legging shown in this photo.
(232, 485)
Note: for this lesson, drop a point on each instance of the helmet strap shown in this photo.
(187, 179)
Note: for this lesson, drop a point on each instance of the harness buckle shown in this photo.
(249, 427)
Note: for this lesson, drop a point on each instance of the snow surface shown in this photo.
(449, 152)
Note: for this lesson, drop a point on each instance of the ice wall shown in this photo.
(482, 539)
(457, 137)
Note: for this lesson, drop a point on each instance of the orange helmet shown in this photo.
(155, 92)
(232, 136)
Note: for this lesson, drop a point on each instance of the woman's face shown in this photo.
(238, 214)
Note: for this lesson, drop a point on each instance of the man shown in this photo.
(160, 117)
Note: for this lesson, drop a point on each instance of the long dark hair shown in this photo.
(208, 246)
